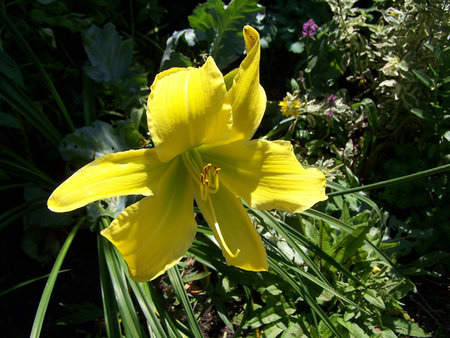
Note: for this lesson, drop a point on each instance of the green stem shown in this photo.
(402, 179)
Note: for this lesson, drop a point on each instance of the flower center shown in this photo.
(209, 181)
(209, 184)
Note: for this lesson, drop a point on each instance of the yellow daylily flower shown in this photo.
(203, 150)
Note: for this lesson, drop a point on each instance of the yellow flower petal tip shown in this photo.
(202, 126)
(251, 37)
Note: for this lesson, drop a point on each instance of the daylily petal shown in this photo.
(186, 108)
(130, 172)
(153, 234)
(267, 175)
(247, 96)
(236, 229)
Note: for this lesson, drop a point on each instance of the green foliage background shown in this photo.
(74, 79)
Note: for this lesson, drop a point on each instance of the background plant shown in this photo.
(369, 101)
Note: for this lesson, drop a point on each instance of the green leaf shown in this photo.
(425, 79)
(371, 296)
(25, 283)
(171, 57)
(297, 47)
(41, 216)
(20, 102)
(221, 27)
(229, 77)
(109, 302)
(9, 69)
(98, 139)
(403, 326)
(110, 207)
(177, 283)
(40, 68)
(371, 110)
(264, 316)
(300, 289)
(45, 298)
(10, 121)
(422, 114)
(109, 56)
(311, 64)
(125, 305)
(447, 135)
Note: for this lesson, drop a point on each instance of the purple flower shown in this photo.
(331, 101)
(330, 113)
(309, 28)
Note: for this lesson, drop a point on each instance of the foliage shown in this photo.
(367, 101)
(216, 30)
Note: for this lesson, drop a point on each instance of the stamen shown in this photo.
(209, 184)
(219, 233)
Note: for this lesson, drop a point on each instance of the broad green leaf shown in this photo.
(109, 56)
(355, 330)
(311, 64)
(350, 244)
(264, 316)
(371, 296)
(98, 139)
(173, 58)
(221, 27)
(403, 326)
(110, 207)
(297, 47)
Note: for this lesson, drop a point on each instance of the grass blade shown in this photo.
(43, 303)
(177, 283)
(344, 227)
(397, 180)
(127, 311)
(19, 211)
(40, 68)
(109, 301)
(267, 219)
(25, 283)
(303, 293)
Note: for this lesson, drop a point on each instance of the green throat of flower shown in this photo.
(208, 181)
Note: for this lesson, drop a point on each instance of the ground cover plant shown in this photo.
(360, 89)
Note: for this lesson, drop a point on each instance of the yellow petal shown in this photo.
(246, 96)
(131, 172)
(186, 108)
(153, 234)
(236, 229)
(267, 175)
